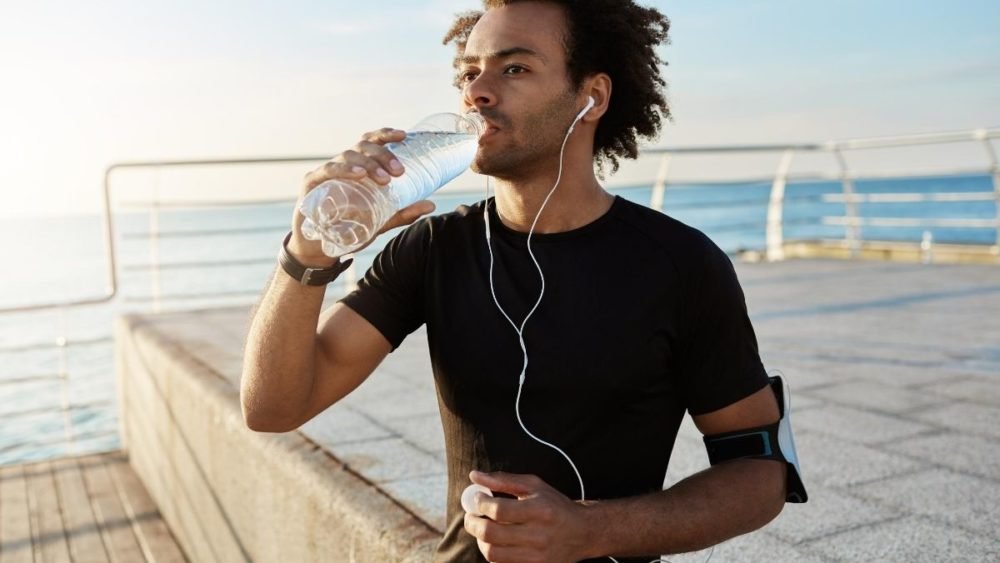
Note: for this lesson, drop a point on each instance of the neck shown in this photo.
(579, 198)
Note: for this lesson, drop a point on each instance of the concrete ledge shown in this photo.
(231, 494)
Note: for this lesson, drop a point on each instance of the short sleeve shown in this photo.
(720, 363)
(391, 294)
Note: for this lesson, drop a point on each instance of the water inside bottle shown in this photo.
(431, 159)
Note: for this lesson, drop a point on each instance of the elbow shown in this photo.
(259, 419)
(259, 423)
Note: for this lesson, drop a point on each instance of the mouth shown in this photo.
(490, 131)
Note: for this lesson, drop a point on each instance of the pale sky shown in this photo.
(83, 85)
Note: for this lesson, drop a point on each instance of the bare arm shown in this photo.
(721, 502)
(296, 364)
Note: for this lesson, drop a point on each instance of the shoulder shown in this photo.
(687, 248)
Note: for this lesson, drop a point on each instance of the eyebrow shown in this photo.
(501, 54)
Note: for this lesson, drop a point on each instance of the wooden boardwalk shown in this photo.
(90, 508)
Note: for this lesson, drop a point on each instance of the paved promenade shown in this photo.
(895, 377)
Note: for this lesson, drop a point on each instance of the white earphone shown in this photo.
(579, 116)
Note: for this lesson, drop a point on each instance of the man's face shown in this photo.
(514, 73)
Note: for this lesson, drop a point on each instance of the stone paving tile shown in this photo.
(390, 459)
(398, 404)
(755, 547)
(855, 425)
(803, 374)
(959, 451)
(687, 458)
(411, 361)
(423, 431)
(894, 373)
(339, 424)
(965, 416)
(834, 462)
(877, 396)
(425, 496)
(827, 511)
(976, 389)
(906, 540)
(968, 502)
(377, 386)
(802, 401)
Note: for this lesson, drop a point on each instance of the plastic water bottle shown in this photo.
(345, 214)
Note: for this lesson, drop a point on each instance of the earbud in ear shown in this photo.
(586, 108)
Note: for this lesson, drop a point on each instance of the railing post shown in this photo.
(64, 395)
(853, 231)
(774, 236)
(660, 187)
(995, 169)
(154, 242)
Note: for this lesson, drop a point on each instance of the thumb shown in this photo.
(409, 214)
(516, 484)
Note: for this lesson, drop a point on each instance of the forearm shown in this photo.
(707, 508)
(280, 354)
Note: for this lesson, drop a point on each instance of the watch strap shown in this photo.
(304, 274)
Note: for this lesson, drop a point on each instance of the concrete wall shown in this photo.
(231, 494)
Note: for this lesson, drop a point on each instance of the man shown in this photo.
(642, 317)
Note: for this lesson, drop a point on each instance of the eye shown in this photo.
(466, 76)
(514, 69)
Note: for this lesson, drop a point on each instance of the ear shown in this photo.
(598, 87)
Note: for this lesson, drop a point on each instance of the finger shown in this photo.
(409, 214)
(384, 135)
(386, 160)
(333, 169)
(489, 531)
(505, 510)
(517, 484)
(360, 155)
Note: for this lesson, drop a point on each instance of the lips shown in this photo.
(491, 131)
(493, 120)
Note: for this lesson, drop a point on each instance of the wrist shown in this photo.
(305, 253)
(306, 273)
(592, 534)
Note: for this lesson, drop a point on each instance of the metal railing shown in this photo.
(774, 223)
(773, 226)
(852, 220)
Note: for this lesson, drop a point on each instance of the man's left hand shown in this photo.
(541, 524)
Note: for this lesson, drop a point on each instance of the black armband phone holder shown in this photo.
(773, 441)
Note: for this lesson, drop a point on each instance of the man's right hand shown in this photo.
(369, 158)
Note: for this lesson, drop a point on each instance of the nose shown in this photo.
(479, 93)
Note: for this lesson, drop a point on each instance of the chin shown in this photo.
(499, 168)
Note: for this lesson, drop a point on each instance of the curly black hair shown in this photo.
(616, 37)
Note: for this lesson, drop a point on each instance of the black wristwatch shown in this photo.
(304, 274)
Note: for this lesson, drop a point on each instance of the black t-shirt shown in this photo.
(642, 319)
